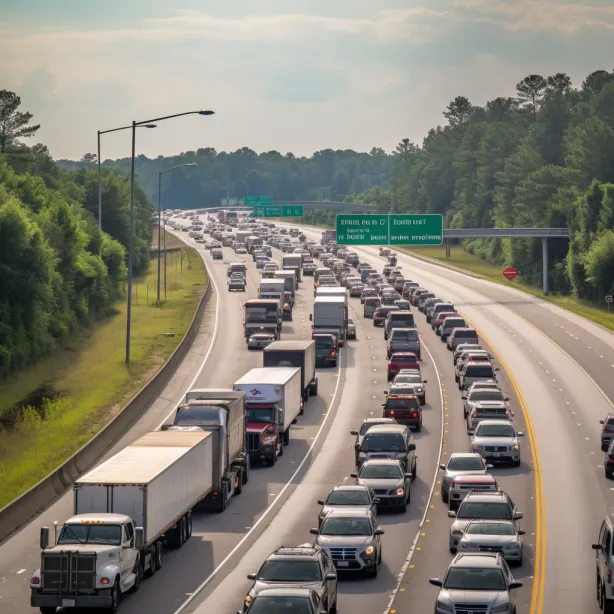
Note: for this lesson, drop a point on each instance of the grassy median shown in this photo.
(56, 406)
(462, 259)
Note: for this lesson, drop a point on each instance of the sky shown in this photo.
(285, 75)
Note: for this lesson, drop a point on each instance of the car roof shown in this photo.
(388, 428)
(380, 420)
(349, 487)
(476, 559)
(495, 422)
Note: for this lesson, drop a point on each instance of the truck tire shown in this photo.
(314, 390)
(223, 499)
(281, 446)
(271, 460)
(116, 597)
(239, 482)
(159, 556)
(188, 526)
(48, 609)
(151, 568)
(287, 437)
(245, 472)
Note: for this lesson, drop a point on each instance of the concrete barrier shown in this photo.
(21, 510)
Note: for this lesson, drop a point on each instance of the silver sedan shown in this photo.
(493, 536)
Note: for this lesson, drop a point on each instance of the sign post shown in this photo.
(608, 300)
(394, 229)
(510, 273)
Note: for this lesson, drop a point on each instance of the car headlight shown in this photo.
(510, 546)
(477, 446)
(400, 492)
(443, 605)
(369, 550)
(500, 607)
(515, 447)
(248, 599)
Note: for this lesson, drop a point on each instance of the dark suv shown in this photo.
(389, 441)
(607, 431)
(327, 350)
(305, 567)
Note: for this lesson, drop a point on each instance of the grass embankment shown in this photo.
(462, 259)
(84, 384)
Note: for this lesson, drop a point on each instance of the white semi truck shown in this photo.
(125, 511)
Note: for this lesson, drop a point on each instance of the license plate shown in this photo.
(343, 563)
(68, 603)
(497, 454)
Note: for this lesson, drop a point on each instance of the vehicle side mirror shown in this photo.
(354, 433)
(165, 427)
(44, 538)
(518, 515)
(470, 433)
(139, 538)
(489, 466)
(506, 399)
(435, 582)
(522, 532)
(313, 531)
(601, 421)
(451, 514)
(353, 475)
(519, 434)
(425, 381)
(497, 369)
(379, 532)
(251, 576)
(596, 546)
(408, 475)
(311, 317)
(294, 421)
(320, 501)
(442, 467)
(411, 447)
(376, 500)
(514, 585)
(464, 395)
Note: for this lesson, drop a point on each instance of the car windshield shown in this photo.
(466, 463)
(479, 371)
(407, 379)
(348, 497)
(194, 415)
(281, 605)
(486, 395)
(386, 472)
(90, 534)
(290, 571)
(346, 526)
(495, 430)
(383, 442)
(365, 426)
(491, 528)
(474, 579)
(484, 509)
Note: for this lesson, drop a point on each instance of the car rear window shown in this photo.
(479, 371)
(397, 358)
(324, 343)
(454, 322)
(405, 335)
(465, 334)
(410, 403)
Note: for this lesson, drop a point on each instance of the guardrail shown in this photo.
(21, 510)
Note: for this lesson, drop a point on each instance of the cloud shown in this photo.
(539, 15)
(305, 83)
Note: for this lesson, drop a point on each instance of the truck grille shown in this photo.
(380, 491)
(343, 554)
(68, 572)
(470, 608)
(253, 442)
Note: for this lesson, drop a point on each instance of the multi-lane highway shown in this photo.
(553, 367)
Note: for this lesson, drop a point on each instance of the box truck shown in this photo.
(125, 511)
(262, 316)
(330, 315)
(273, 400)
(295, 353)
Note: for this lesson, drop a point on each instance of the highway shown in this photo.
(560, 487)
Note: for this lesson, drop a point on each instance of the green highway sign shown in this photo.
(394, 229)
(416, 229)
(279, 211)
(362, 230)
(256, 201)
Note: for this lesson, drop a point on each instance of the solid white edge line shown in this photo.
(266, 512)
(211, 344)
(410, 555)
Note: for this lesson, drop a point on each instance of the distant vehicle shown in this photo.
(259, 341)
(348, 496)
(351, 329)
(217, 254)
(386, 477)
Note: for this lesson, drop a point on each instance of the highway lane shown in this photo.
(362, 396)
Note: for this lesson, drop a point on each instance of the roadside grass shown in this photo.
(87, 382)
(462, 259)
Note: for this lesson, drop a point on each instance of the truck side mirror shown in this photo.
(44, 538)
(139, 538)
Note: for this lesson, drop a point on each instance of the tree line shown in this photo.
(544, 157)
(58, 270)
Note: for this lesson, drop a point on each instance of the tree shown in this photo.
(531, 91)
(459, 111)
(14, 124)
(558, 84)
(89, 158)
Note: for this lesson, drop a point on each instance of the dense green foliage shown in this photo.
(57, 269)
(543, 158)
(327, 175)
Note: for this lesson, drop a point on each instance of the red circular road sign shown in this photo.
(510, 273)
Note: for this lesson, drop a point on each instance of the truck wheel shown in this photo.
(314, 390)
(287, 437)
(48, 609)
(159, 556)
(281, 446)
(245, 472)
(151, 569)
(188, 526)
(239, 482)
(116, 596)
(271, 460)
(223, 499)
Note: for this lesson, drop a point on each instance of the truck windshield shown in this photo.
(261, 314)
(110, 534)
(258, 414)
(194, 415)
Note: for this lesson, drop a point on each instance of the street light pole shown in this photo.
(134, 126)
(99, 186)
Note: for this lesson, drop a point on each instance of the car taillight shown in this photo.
(415, 414)
(452, 484)
(474, 414)
(391, 343)
(507, 415)
(333, 353)
(609, 576)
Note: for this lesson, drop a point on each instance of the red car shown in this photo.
(402, 360)
(405, 409)
(442, 316)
